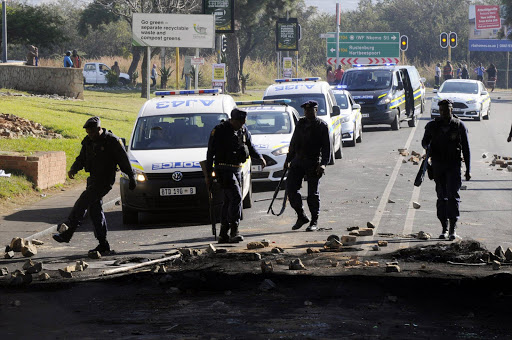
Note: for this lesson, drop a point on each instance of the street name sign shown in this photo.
(365, 46)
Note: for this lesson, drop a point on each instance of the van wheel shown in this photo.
(130, 216)
(247, 202)
(333, 156)
(413, 122)
(360, 138)
(396, 123)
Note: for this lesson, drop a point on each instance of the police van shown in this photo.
(169, 139)
(300, 90)
(271, 124)
(388, 93)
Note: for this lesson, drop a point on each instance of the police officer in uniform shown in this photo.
(229, 147)
(100, 155)
(447, 137)
(309, 154)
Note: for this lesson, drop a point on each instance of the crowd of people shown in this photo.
(461, 72)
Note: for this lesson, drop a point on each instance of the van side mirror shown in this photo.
(423, 80)
(434, 91)
(123, 140)
(356, 107)
(335, 111)
(484, 93)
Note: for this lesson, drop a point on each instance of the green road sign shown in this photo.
(365, 45)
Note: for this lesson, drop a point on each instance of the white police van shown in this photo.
(271, 124)
(300, 90)
(169, 139)
(350, 112)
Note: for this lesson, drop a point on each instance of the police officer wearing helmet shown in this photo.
(229, 147)
(309, 154)
(447, 137)
(100, 155)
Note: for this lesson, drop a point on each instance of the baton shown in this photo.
(276, 192)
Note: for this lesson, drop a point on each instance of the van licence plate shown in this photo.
(177, 191)
(256, 168)
(365, 115)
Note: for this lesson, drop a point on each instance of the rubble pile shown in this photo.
(501, 163)
(12, 126)
(466, 251)
(415, 158)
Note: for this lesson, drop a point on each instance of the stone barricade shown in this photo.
(46, 80)
(44, 169)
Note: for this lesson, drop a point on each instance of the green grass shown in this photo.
(117, 111)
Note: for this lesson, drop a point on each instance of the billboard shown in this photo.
(287, 35)
(173, 30)
(485, 25)
(224, 11)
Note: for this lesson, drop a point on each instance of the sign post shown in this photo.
(218, 76)
(363, 48)
(338, 18)
(172, 30)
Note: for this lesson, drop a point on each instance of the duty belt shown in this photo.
(230, 165)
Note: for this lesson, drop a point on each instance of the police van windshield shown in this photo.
(459, 87)
(268, 122)
(341, 100)
(367, 80)
(299, 99)
(175, 131)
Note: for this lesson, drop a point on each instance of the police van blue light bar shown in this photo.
(373, 65)
(341, 87)
(266, 102)
(181, 92)
(286, 80)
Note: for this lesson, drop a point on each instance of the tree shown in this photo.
(94, 16)
(39, 26)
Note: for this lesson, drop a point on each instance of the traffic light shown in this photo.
(443, 40)
(404, 42)
(224, 43)
(453, 39)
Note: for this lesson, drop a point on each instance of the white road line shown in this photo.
(385, 196)
(409, 219)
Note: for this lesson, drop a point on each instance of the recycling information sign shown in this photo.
(365, 45)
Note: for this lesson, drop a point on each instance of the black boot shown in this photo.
(314, 224)
(444, 234)
(223, 234)
(301, 220)
(103, 248)
(453, 226)
(235, 235)
(65, 233)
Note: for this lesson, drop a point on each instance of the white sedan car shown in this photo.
(350, 113)
(271, 124)
(470, 98)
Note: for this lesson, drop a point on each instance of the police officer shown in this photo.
(100, 155)
(447, 136)
(309, 153)
(229, 147)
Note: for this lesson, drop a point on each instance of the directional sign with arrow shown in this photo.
(365, 45)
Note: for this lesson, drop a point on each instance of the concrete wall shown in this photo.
(45, 80)
(45, 169)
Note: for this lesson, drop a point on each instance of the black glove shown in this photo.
(132, 184)
(468, 175)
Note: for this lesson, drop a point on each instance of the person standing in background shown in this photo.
(480, 72)
(448, 70)
(437, 75)
(75, 58)
(32, 56)
(338, 74)
(492, 76)
(154, 75)
(67, 60)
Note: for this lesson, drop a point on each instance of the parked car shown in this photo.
(95, 73)
(350, 112)
(470, 98)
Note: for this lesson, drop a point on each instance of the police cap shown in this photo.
(238, 114)
(309, 104)
(92, 122)
(446, 102)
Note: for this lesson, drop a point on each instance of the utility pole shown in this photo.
(4, 31)
(338, 19)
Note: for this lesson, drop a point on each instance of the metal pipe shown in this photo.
(4, 31)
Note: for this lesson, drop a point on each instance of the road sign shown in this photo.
(197, 61)
(365, 45)
(369, 61)
(327, 35)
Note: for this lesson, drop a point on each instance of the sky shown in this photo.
(323, 5)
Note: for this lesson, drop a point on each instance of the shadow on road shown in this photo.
(51, 216)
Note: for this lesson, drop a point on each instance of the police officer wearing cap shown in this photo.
(100, 155)
(229, 147)
(447, 137)
(309, 154)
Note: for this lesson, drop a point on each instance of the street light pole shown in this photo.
(4, 31)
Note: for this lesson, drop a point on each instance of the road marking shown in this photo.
(409, 219)
(385, 196)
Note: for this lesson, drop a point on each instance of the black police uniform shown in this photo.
(310, 147)
(100, 158)
(230, 149)
(447, 141)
